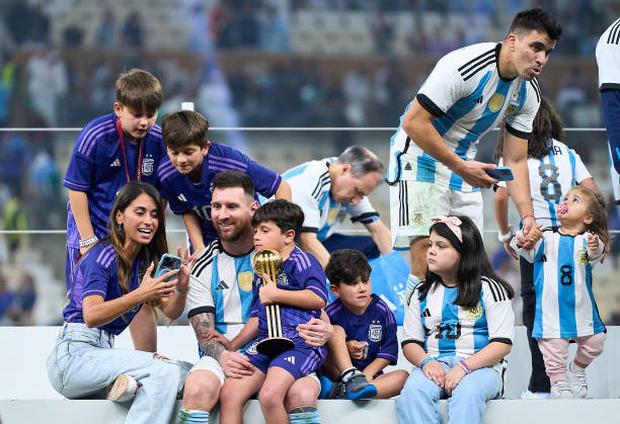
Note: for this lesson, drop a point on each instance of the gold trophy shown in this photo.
(269, 262)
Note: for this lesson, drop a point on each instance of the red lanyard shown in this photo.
(119, 129)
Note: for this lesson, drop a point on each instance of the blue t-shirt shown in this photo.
(97, 168)
(300, 271)
(185, 195)
(376, 327)
(96, 274)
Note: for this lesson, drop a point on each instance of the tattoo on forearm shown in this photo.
(203, 323)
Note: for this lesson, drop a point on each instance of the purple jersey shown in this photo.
(185, 195)
(376, 327)
(97, 168)
(301, 271)
(96, 274)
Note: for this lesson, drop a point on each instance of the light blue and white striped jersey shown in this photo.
(565, 305)
(222, 284)
(468, 98)
(445, 329)
(550, 179)
(310, 184)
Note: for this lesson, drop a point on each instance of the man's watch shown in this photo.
(503, 238)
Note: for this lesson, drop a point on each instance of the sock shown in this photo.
(347, 374)
(304, 415)
(192, 416)
(574, 367)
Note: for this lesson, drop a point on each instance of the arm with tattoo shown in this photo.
(203, 324)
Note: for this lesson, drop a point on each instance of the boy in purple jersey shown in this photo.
(187, 174)
(110, 151)
(364, 322)
(300, 290)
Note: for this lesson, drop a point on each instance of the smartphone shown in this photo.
(167, 263)
(501, 173)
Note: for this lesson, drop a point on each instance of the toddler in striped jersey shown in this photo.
(565, 306)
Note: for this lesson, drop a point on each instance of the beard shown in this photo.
(230, 236)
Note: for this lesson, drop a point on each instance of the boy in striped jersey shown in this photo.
(608, 60)
(187, 174)
(458, 328)
(565, 305)
(432, 155)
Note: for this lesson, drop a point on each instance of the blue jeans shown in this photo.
(418, 400)
(83, 363)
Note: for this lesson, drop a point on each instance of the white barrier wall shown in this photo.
(24, 353)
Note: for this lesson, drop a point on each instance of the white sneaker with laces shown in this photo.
(527, 395)
(561, 390)
(123, 389)
(578, 382)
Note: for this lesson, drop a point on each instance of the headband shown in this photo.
(452, 222)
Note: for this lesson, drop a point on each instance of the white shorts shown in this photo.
(414, 203)
(208, 363)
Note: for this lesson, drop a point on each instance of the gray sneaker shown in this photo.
(561, 390)
(578, 382)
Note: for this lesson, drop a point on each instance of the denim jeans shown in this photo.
(417, 403)
(83, 363)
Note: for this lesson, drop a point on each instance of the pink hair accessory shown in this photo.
(452, 222)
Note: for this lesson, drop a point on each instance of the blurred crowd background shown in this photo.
(252, 63)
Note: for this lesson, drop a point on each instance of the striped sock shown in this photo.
(304, 415)
(192, 416)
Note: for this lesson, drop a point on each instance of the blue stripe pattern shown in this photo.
(566, 293)
(537, 331)
(449, 315)
(218, 298)
(423, 320)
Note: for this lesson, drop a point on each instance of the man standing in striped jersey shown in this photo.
(432, 168)
(608, 60)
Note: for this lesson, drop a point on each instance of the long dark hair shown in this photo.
(546, 127)
(158, 245)
(473, 264)
(596, 208)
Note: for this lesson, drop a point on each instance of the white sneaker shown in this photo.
(561, 390)
(577, 379)
(123, 389)
(527, 395)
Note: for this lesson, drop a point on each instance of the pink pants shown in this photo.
(555, 353)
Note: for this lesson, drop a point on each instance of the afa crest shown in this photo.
(245, 280)
(582, 256)
(147, 166)
(375, 332)
(474, 313)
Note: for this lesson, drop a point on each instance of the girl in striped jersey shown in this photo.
(565, 305)
(458, 328)
(553, 169)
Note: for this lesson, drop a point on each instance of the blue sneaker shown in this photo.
(330, 389)
(357, 387)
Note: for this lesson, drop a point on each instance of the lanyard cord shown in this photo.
(121, 136)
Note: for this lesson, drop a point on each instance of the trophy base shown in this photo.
(274, 346)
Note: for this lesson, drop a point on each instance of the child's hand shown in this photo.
(453, 378)
(593, 242)
(435, 372)
(356, 349)
(268, 292)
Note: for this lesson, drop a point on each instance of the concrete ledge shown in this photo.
(64, 411)
(24, 354)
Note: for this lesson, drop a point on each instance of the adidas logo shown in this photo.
(426, 313)
(115, 163)
(290, 359)
(408, 166)
(479, 100)
(222, 285)
(182, 197)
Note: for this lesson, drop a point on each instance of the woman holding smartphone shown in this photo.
(112, 282)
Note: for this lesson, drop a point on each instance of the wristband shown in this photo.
(465, 367)
(503, 238)
(88, 242)
(426, 361)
